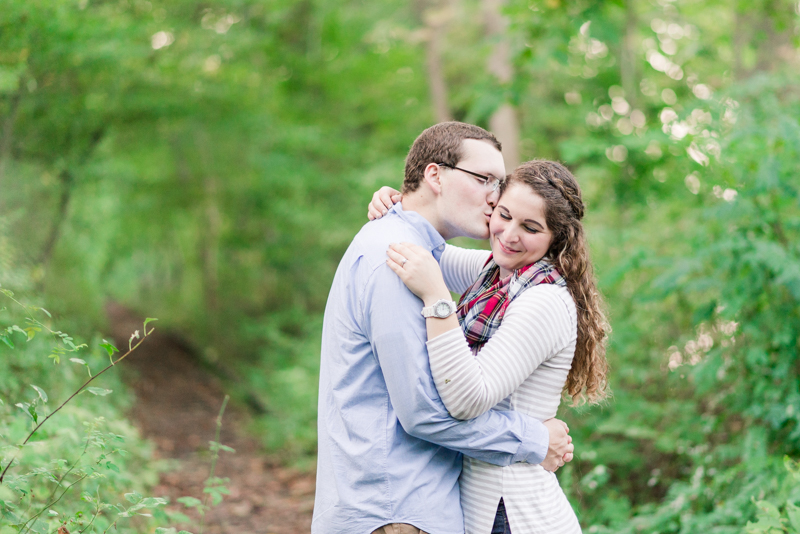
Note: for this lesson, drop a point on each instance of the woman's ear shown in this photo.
(432, 176)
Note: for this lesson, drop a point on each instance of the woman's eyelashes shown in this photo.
(507, 217)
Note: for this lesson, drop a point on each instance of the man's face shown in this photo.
(466, 203)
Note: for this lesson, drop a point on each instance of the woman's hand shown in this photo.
(382, 201)
(419, 271)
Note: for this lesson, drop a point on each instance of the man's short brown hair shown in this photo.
(441, 143)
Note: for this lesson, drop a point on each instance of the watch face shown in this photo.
(442, 309)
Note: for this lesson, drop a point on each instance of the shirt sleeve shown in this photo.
(461, 266)
(537, 324)
(396, 328)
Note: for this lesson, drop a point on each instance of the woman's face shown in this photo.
(517, 230)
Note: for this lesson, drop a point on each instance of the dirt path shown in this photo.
(176, 406)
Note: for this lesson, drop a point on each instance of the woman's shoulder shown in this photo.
(452, 252)
(555, 298)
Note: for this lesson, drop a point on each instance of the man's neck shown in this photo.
(424, 204)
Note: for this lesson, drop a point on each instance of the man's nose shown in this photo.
(492, 198)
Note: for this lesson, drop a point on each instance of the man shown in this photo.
(389, 453)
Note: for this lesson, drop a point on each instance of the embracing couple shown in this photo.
(437, 417)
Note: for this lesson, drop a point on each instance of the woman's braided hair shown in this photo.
(569, 253)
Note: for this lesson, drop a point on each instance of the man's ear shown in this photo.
(432, 176)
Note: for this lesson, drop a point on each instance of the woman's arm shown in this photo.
(535, 327)
(461, 266)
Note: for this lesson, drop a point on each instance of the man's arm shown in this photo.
(397, 330)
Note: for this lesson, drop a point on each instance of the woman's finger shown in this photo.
(398, 247)
(396, 257)
(376, 206)
(397, 269)
(385, 196)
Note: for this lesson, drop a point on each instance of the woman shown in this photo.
(532, 327)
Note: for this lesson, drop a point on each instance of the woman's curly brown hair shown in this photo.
(569, 253)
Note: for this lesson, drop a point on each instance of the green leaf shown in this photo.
(29, 409)
(214, 446)
(111, 349)
(101, 392)
(52, 513)
(112, 467)
(6, 292)
(24, 406)
(46, 312)
(792, 466)
(149, 320)
(77, 360)
(31, 331)
(40, 391)
(5, 339)
(190, 502)
(768, 508)
(149, 502)
(793, 511)
(133, 497)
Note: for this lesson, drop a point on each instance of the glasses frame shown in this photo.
(489, 181)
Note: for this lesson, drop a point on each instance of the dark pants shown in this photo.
(501, 525)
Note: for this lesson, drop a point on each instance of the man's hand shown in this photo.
(561, 447)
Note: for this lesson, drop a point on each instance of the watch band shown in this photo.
(441, 309)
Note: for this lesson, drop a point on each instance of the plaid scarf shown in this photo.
(481, 307)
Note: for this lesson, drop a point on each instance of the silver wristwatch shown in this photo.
(441, 309)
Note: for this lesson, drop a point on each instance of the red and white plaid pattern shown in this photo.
(481, 307)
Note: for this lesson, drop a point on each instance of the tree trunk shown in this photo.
(435, 15)
(7, 133)
(67, 179)
(628, 56)
(503, 122)
(209, 240)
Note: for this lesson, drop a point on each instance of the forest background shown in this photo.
(207, 163)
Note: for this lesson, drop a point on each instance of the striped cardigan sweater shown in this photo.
(523, 367)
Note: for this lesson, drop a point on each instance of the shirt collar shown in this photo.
(433, 240)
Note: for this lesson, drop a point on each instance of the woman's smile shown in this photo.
(506, 249)
(518, 229)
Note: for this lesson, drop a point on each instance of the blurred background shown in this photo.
(208, 162)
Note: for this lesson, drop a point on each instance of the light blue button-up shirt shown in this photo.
(388, 450)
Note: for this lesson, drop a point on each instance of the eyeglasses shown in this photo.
(489, 181)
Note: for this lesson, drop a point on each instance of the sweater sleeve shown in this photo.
(461, 266)
(536, 326)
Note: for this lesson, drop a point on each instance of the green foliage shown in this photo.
(212, 162)
(73, 470)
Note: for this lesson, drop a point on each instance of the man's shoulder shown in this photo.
(374, 238)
